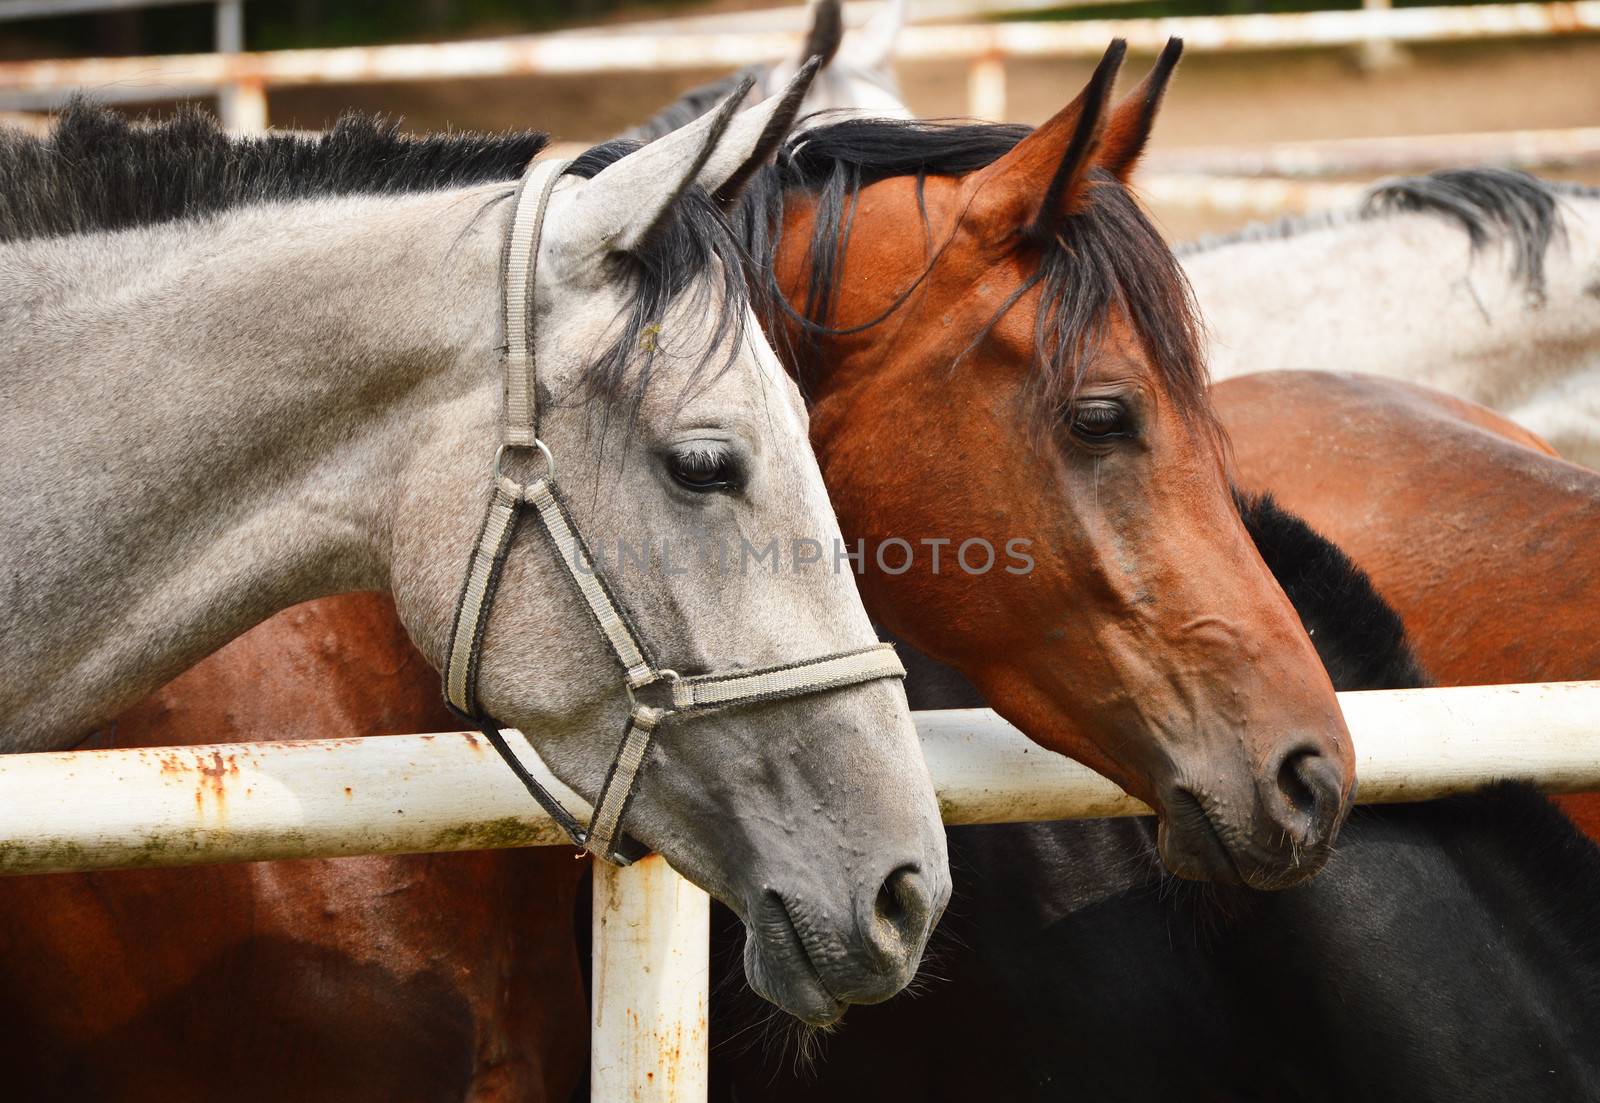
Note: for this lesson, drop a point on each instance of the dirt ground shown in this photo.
(1216, 98)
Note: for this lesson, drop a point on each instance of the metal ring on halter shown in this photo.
(665, 674)
(549, 460)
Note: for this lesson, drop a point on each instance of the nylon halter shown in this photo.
(510, 499)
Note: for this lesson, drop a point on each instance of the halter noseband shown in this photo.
(508, 501)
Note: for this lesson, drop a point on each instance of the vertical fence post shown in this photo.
(1380, 51)
(652, 962)
(243, 104)
(986, 88)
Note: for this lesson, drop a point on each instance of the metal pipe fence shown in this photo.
(246, 77)
(95, 810)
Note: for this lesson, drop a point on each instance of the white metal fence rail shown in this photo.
(984, 46)
(1259, 182)
(240, 802)
(90, 810)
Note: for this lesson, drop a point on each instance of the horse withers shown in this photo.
(233, 388)
(1465, 522)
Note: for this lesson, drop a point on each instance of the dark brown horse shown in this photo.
(1447, 953)
(1037, 380)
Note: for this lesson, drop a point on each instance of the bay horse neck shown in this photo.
(237, 456)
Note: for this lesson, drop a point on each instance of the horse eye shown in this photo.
(1100, 420)
(702, 467)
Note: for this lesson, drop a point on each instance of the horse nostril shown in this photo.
(892, 904)
(888, 905)
(1293, 784)
(1308, 786)
(901, 911)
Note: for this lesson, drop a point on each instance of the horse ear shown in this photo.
(827, 31)
(756, 135)
(1044, 177)
(1128, 129)
(622, 206)
(873, 45)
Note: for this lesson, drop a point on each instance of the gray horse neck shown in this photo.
(202, 423)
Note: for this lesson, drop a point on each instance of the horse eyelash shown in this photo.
(701, 459)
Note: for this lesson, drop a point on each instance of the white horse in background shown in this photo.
(856, 75)
(1483, 283)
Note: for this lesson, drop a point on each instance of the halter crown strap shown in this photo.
(507, 502)
(520, 267)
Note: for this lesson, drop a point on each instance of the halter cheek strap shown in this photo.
(509, 500)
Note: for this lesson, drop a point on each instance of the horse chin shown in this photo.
(1191, 848)
(1307, 864)
(780, 971)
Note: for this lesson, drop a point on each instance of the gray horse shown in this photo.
(242, 375)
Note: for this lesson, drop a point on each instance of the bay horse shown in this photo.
(914, 268)
(305, 336)
(1465, 522)
(1195, 636)
(998, 348)
(1335, 445)
(1448, 951)
(1480, 282)
(414, 977)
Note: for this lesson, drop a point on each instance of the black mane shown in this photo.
(1358, 635)
(1107, 257)
(97, 171)
(1489, 204)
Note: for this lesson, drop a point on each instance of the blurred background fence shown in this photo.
(1276, 111)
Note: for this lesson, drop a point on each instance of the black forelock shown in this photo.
(99, 171)
(1107, 257)
(678, 253)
